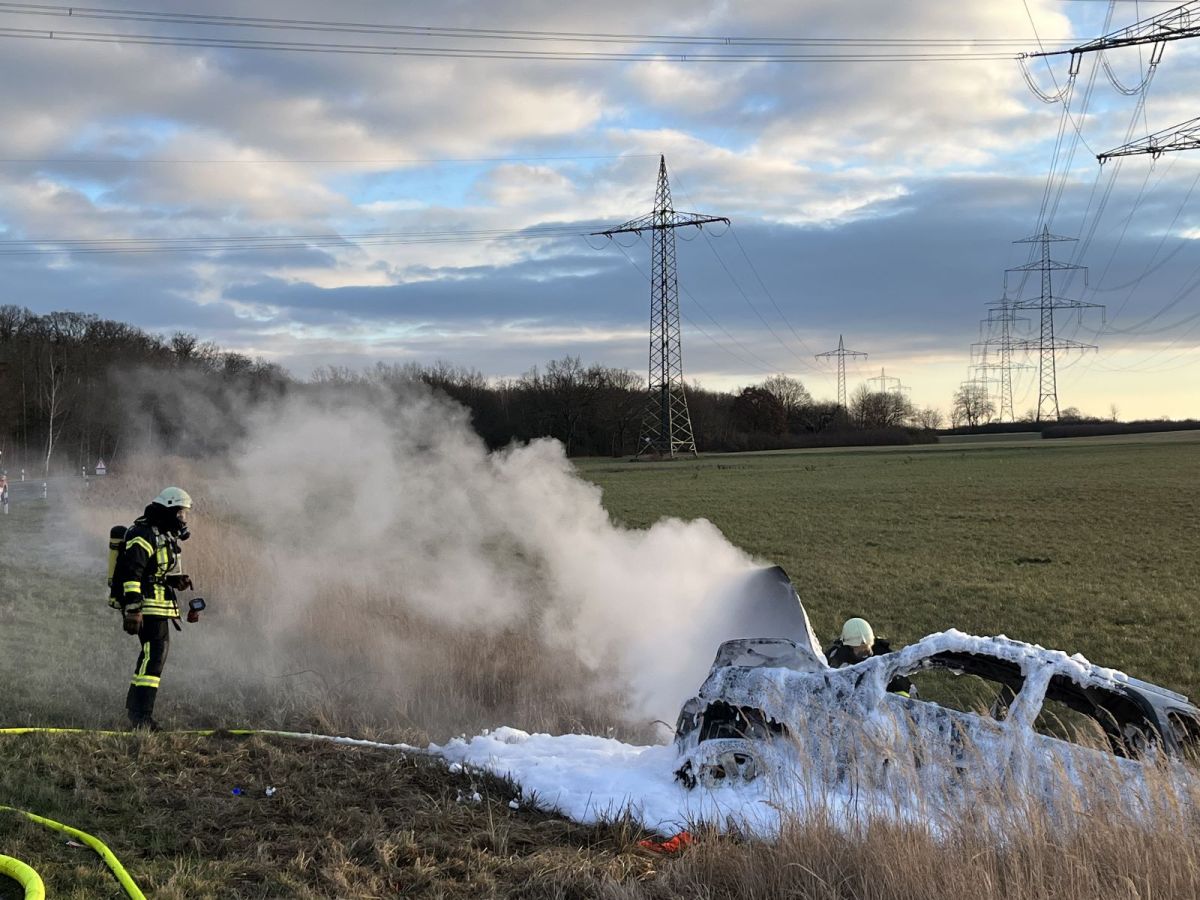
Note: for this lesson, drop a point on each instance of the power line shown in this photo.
(54, 246)
(750, 303)
(335, 26)
(1090, 225)
(754, 270)
(443, 160)
(765, 367)
(763, 285)
(153, 40)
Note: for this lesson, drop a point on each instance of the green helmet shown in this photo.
(857, 632)
(173, 497)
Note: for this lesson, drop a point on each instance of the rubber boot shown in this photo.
(131, 705)
(139, 703)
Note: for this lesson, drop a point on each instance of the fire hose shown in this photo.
(33, 886)
(29, 879)
(24, 876)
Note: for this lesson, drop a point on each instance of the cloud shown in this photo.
(874, 199)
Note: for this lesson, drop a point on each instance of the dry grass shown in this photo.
(344, 822)
(357, 661)
(365, 823)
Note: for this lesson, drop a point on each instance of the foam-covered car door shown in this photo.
(951, 743)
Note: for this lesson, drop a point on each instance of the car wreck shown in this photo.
(989, 703)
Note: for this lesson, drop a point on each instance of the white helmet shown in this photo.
(857, 632)
(173, 497)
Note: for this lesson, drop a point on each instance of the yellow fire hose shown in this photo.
(96, 844)
(32, 882)
(24, 876)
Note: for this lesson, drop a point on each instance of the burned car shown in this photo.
(982, 702)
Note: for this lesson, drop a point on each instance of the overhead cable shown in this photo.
(155, 40)
(762, 366)
(508, 34)
(379, 160)
(52, 246)
(770, 296)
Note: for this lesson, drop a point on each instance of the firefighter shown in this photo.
(147, 575)
(858, 642)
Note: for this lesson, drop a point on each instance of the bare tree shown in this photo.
(930, 418)
(880, 409)
(972, 406)
(51, 386)
(790, 392)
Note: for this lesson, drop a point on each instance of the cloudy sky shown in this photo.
(879, 200)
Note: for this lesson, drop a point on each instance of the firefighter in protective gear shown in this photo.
(147, 575)
(858, 642)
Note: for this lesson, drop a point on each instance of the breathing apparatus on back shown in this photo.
(167, 515)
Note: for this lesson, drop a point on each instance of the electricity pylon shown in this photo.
(885, 380)
(1048, 345)
(1002, 316)
(1185, 136)
(666, 425)
(841, 353)
(1177, 24)
(1173, 25)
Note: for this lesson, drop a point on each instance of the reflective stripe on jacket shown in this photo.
(146, 557)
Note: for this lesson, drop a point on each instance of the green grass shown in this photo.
(1087, 545)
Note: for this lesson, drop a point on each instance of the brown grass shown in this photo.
(344, 822)
(362, 823)
(358, 660)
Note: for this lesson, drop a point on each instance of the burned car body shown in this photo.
(982, 702)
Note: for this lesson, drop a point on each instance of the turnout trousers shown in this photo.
(155, 638)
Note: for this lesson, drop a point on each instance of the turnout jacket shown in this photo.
(147, 556)
(840, 655)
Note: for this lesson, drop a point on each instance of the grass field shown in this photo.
(1087, 545)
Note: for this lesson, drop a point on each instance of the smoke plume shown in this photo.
(370, 541)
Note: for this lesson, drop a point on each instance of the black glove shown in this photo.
(133, 621)
(193, 616)
(180, 582)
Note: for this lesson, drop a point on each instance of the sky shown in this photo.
(878, 200)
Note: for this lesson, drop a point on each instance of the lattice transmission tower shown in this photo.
(1177, 24)
(840, 354)
(1048, 344)
(887, 384)
(666, 425)
(992, 358)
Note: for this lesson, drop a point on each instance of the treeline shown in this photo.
(75, 388)
(1100, 427)
(597, 411)
(1077, 425)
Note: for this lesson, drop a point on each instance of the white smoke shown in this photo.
(404, 497)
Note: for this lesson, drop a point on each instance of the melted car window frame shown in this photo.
(1002, 672)
(1129, 728)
